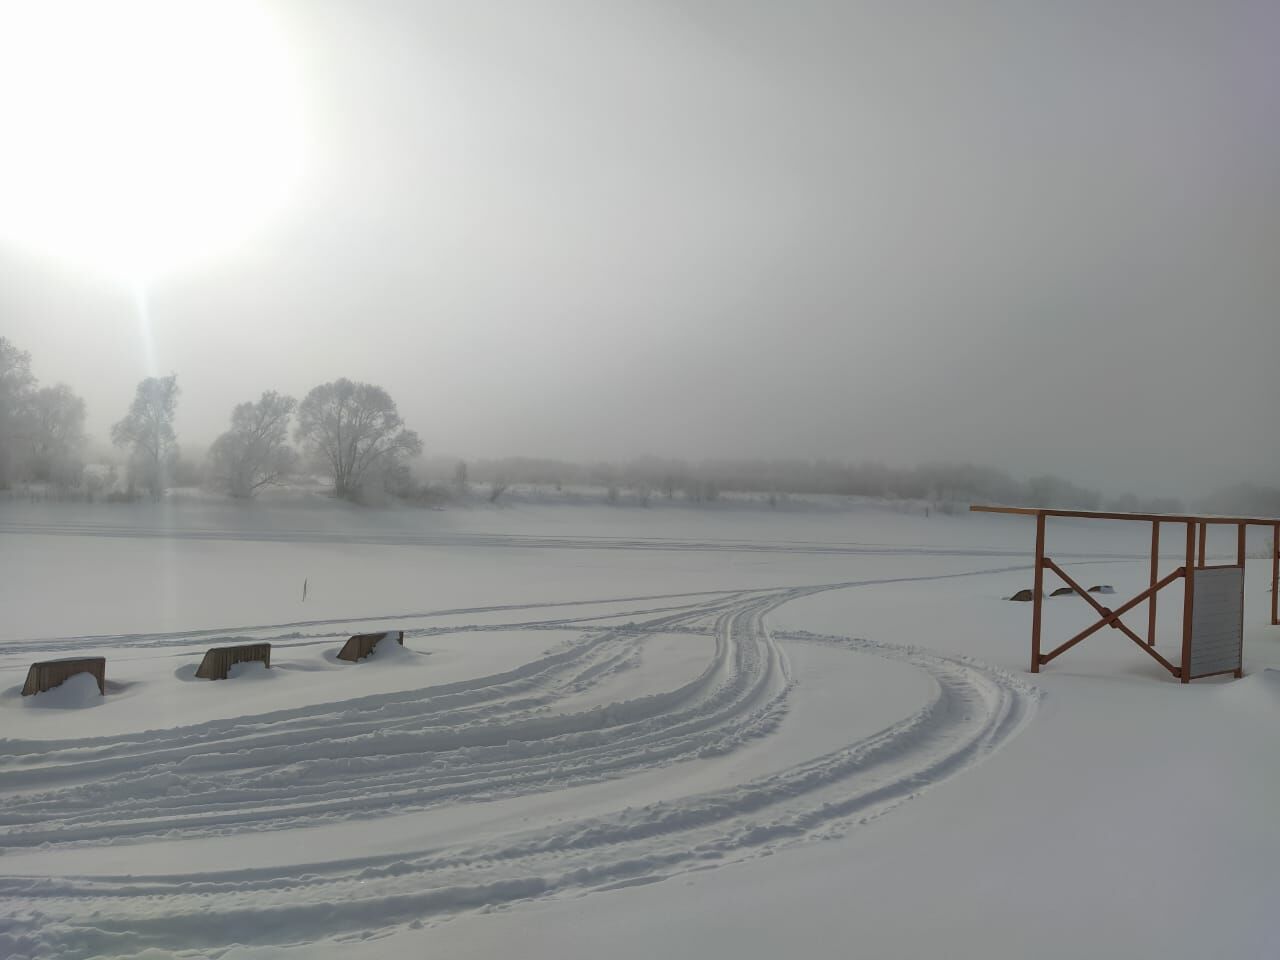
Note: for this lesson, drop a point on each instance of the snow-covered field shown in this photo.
(815, 728)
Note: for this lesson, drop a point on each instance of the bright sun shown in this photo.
(140, 135)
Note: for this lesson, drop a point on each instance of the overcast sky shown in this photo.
(1043, 236)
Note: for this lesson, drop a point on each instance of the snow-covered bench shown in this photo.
(218, 660)
(362, 644)
(48, 674)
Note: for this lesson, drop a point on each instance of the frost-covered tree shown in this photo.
(147, 431)
(255, 452)
(353, 431)
(16, 385)
(55, 429)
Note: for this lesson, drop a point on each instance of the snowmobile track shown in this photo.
(493, 737)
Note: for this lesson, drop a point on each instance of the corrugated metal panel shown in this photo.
(1217, 624)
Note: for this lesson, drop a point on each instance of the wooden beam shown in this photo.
(1143, 517)
(1020, 511)
(1174, 671)
(1188, 602)
(1102, 611)
(1240, 558)
(1114, 615)
(1037, 598)
(1275, 575)
(1155, 570)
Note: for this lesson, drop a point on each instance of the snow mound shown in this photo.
(74, 693)
(1258, 691)
(251, 669)
(387, 650)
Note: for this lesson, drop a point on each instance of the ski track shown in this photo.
(485, 738)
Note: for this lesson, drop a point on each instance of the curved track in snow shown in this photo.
(496, 737)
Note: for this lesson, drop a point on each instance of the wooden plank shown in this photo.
(1155, 573)
(1144, 517)
(1038, 599)
(1115, 614)
(47, 674)
(1241, 547)
(218, 660)
(1112, 619)
(1275, 575)
(1188, 601)
(1020, 511)
(362, 644)
(1102, 611)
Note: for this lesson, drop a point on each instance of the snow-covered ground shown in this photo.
(615, 731)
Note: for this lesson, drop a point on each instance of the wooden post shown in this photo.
(1155, 569)
(1188, 599)
(1204, 537)
(1240, 559)
(1037, 595)
(1275, 575)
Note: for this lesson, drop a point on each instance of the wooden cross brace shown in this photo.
(1111, 618)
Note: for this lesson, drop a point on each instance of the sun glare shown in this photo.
(138, 136)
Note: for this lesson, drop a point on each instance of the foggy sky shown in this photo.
(1042, 236)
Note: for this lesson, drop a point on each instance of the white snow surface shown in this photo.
(78, 691)
(616, 731)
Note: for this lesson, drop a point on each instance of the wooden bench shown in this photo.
(362, 644)
(51, 673)
(218, 660)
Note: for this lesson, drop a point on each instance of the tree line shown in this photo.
(349, 431)
(353, 434)
(645, 478)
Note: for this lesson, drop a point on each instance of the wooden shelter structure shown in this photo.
(362, 644)
(218, 660)
(1212, 599)
(48, 674)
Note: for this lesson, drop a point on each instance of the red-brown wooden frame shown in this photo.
(1197, 528)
